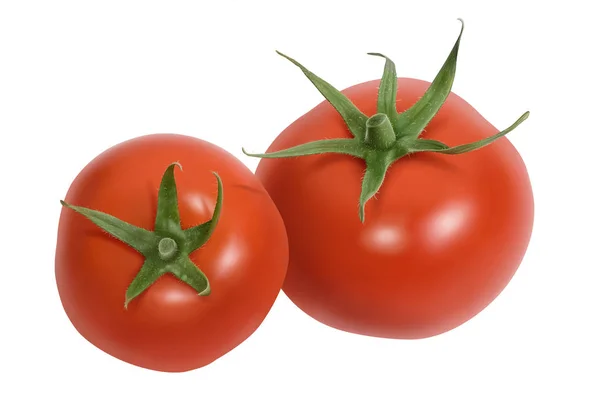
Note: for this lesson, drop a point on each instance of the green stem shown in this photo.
(380, 134)
(387, 136)
(165, 249)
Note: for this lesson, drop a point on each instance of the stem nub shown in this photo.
(380, 133)
(167, 248)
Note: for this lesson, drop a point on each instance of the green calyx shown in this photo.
(387, 136)
(167, 248)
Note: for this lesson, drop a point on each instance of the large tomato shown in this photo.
(444, 234)
(199, 260)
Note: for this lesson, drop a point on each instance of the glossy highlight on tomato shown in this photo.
(448, 218)
(223, 290)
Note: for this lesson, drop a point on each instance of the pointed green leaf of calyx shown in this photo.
(345, 146)
(377, 165)
(412, 122)
(354, 118)
(148, 274)
(165, 249)
(388, 89)
(185, 270)
(140, 239)
(198, 235)
(167, 213)
(426, 145)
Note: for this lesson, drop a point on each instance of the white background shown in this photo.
(77, 77)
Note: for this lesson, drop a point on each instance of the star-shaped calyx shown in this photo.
(167, 248)
(387, 136)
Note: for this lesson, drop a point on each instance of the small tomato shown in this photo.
(164, 268)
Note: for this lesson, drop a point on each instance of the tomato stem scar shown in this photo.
(167, 248)
(387, 136)
(380, 133)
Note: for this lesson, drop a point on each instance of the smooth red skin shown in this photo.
(169, 327)
(443, 237)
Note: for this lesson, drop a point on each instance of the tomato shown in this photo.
(442, 237)
(164, 308)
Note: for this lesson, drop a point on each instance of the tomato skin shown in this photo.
(169, 327)
(441, 240)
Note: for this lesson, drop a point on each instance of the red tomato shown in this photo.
(169, 326)
(442, 238)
